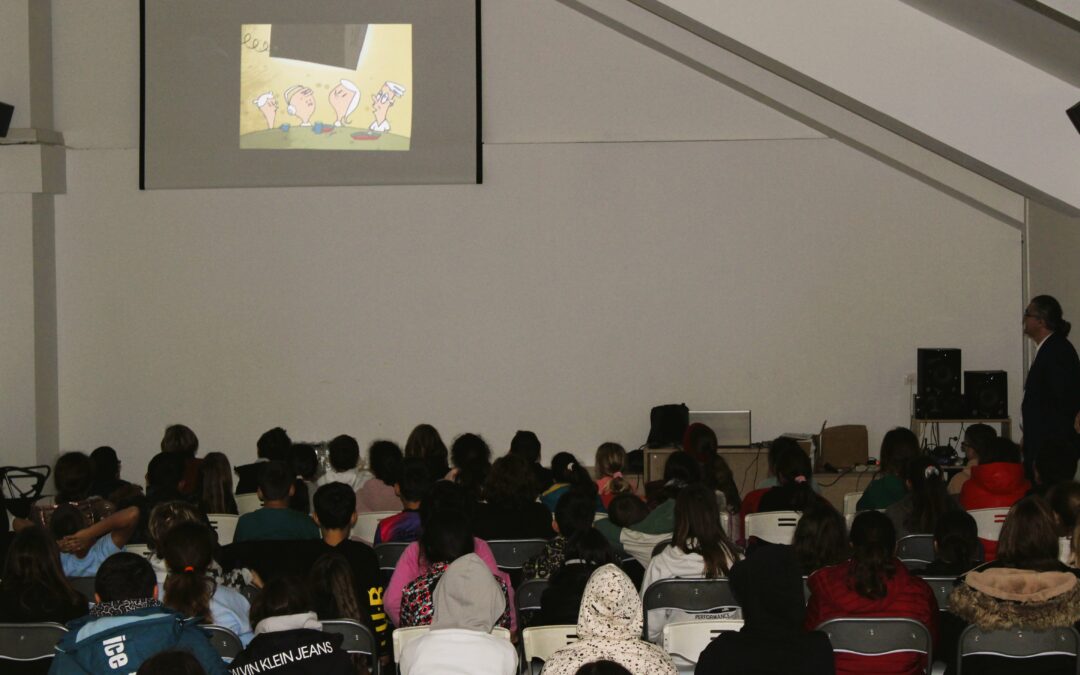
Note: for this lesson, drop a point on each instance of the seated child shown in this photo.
(344, 454)
(275, 520)
(84, 548)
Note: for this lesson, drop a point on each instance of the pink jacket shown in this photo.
(408, 568)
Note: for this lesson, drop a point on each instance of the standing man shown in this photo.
(1052, 389)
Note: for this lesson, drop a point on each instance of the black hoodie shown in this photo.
(768, 586)
(294, 651)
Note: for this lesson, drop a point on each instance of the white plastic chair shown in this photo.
(368, 523)
(540, 642)
(138, 549)
(403, 635)
(988, 522)
(850, 501)
(248, 503)
(225, 526)
(775, 527)
(687, 639)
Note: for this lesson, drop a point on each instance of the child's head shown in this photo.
(956, 538)
(181, 440)
(626, 510)
(66, 520)
(443, 497)
(1000, 450)
(344, 453)
(168, 515)
(1028, 535)
(700, 441)
(282, 596)
(188, 550)
(1064, 499)
(446, 537)
(698, 530)
(415, 480)
(873, 544)
(274, 445)
(33, 559)
(610, 459)
(510, 483)
(565, 468)
(820, 538)
(897, 447)
(425, 442)
(335, 506)
(106, 463)
(575, 512)
(779, 445)
(164, 473)
(304, 461)
(592, 547)
(73, 475)
(333, 588)
(125, 576)
(275, 481)
(976, 439)
(526, 445)
(384, 458)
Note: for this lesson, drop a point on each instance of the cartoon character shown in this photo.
(267, 105)
(343, 99)
(301, 102)
(381, 104)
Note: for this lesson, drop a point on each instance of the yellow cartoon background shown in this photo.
(386, 55)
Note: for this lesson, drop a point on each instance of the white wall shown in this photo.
(1053, 240)
(743, 262)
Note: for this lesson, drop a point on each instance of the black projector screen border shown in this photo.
(191, 106)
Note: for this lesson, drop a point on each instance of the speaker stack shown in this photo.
(939, 396)
(986, 394)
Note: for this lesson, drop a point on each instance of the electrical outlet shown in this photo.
(909, 379)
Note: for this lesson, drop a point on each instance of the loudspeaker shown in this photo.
(6, 111)
(939, 385)
(986, 394)
(1074, 115)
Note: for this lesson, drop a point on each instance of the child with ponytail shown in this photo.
(188, 553)
(610, 462)
(927, 500)
(568, 472)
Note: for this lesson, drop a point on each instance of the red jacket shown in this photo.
(907, 596)
(992, 486)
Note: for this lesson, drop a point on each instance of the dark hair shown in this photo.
(793, 473)
(511, 484)
(873, 541)
(106, 464)
(820, 538)
(274, 445)
(163, 475)
(472, 457)
(180, 439)
(566, 468)
(443, 496)
(171, 662)
(1048, 309)
(281, 596)
(66, 520)
(698, 530)
(929, 497)
(425, 442)
(611, 460)
(304, 460)
(1064, 499)
(446, 537)
(1028, 536)
(416, 480)
(780, 443)
(590, 546)
(957, 538)
(575, 512)
(344, 453)
(125, 576)
(626, 510)
(335, 503)
(384, 458)
(32, 574)
(168, 515)
(1055, 461)
(526, 445)
(73, 475)
(979, 436)
(275, 479)
(215, 485)
(897, 447)
(1000, 450)
(188, 550)
(332, 587)
(603, 667)
(680, 466)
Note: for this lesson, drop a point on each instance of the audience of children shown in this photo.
(927, 499)
(510, 509)
(997, 481)
(377, 493)
(215, 485)
(275, 520)
(897, 447)
(411, 489)
(526, 445)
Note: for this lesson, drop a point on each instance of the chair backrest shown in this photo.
(138, 549)
(989, 522)
(226, 642)
(874, 637)
(775, 527)
(368, 523)
(916, 550)
(527, 596)
(388, 554)
(29, 641)
(943, 588)
(248, 503)
(687, 639)
(690, 595)
(512, 554)
(225, 526)
(358, 638)
(540, 642)
(1018, 644)
(84, 585)
(402, 636)
(850, 501)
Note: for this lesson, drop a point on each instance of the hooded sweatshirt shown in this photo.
(293, 644)
(992, 486)
(468, 603)
(673, 563)
(609, 628)
(768, 586)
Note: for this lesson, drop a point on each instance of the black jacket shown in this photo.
(1051, 395)
(294, 652)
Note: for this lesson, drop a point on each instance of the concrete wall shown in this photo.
(643, 236)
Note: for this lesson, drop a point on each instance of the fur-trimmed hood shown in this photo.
(1004, 598)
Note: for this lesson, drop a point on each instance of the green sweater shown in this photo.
(660, 520)
(275, 524)
(882, 492)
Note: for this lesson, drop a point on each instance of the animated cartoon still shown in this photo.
(326, 87)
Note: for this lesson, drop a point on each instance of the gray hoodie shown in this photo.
(467, 597)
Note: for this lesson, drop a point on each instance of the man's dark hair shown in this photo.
(1047, 308)
(303, 459)
(180, 439)
(526, 445)
(979, 436)
(73, 475)
(275, 479)
(1055, 461)
(125, 576)
(1000, 450)
(164, 473)
(415, 479)
(575, 512)
(384, 458)
(344, 453)
(334, 505)
(274, 445)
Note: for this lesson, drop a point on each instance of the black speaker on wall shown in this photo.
(986, 394)
(938, 391)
